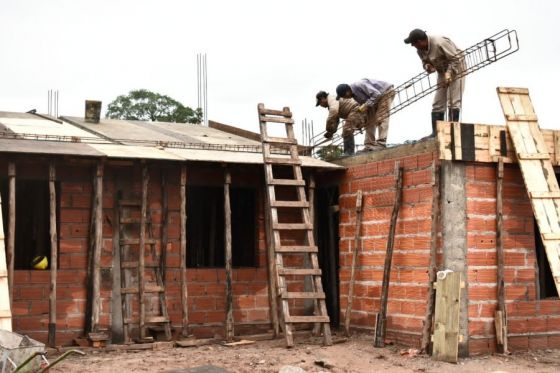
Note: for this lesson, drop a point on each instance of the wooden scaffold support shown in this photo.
(54, 255)
(229, 292)
(357, 241)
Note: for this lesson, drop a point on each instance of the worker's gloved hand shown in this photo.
(429, 68)
(328, 135)
(447, 77)
(362, 108)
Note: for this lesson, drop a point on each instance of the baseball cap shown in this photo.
(320, 95)
(415, 35)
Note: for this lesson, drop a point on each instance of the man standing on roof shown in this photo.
(440, 54)
(346, 109)
(375, 98)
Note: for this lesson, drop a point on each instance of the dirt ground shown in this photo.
(355, 355)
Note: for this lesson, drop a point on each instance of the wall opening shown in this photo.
(546, 287)
(205, 227)
(32, 236)
(327, 218)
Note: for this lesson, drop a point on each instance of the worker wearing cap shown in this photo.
(440, 54)
(346, 109)
(375, 98)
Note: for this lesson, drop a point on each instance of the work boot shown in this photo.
(454, 115)
(349, 145)
(436, 115)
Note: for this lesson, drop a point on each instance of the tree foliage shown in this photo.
(142, 104)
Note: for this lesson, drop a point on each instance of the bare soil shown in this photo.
(355, 355)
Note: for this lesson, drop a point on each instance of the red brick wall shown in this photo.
(532, 323)
(206, 287)
(409, 275)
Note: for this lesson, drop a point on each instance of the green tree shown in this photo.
(142, 104)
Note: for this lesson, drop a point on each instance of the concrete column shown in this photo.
(454, 231)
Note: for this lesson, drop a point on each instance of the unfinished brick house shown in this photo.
(459, 212)
(113, 159)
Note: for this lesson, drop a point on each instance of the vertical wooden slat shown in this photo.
(428, 319)
(141, 252)
(54, 255)
(379, 340)
(500, 314)
(117, 330)
(11, 226)
(184, 294)
(308, 281)
(164, 224)
(229, 293)
(98, 246)
(357, 240)
(446, 328)
(270, 261)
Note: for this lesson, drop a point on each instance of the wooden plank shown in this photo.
(98, 246)
(457, 151)
(544, 195)
(446, 328)
(500, 314)
(551, 236)
(299, 271)
(379, 339)
(183, 256)
(229, 292)
(428, 318)
(532, 156)
(289, 204)
(292, 226)
(284, 113)
(357, 241)
(302, 295)
(288, 182)
(141, 251)
(282, 161)
(10, 252)
(54, 255)
(521, 117)
(510, 90)
(297, 249)
(307, 319)
(279, 140)
(556, 147)
(276, 119)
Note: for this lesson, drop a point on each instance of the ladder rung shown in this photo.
(130, 202)
(297, 249)
(532, 156)
(147, 289)
(302, 319)
(302, 295)
(263, 118)
(136, 241)
(281, 113)
(149, 320)
(287, 182)
(522, 117)
(280, 140)
(134, 264)
(299, 271)
(283, 161)
(290, 226)
(3, 273)
(130, 221)
(545, 195)
(551, 236)
(289, 204)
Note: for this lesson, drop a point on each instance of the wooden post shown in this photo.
(164, 225)
(54, 255)
(229, 294)
(98, 246)
(428, 319)
(500, 317)
(271, 264)
(117, 325)
(379, 340)
(141, 251)
(354, 262)
(11, 227)
(308, 280)
(183, 266)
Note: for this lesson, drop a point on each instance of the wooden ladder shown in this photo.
(132, 244)
(276, 230)
(536, 168)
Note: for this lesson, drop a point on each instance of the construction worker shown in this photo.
(375, 98)
(346, 109)
(440, 54)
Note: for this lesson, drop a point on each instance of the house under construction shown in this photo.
(162, 230)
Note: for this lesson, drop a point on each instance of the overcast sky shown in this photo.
(276, 52)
